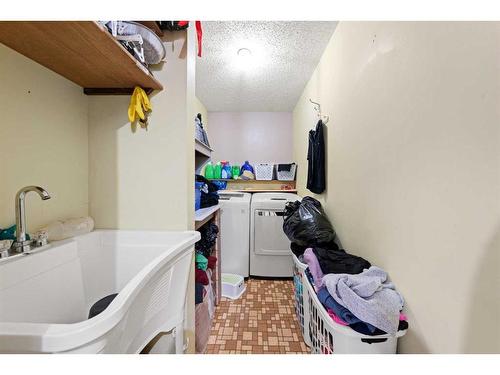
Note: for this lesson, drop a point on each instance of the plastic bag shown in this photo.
(306, 224)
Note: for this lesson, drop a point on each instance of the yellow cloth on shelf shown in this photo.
(139, 105)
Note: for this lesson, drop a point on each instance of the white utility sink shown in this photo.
(45, 296)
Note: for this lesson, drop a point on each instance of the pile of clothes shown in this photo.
(209, 196)
(354, 292)
(205, 262)
(208, 234)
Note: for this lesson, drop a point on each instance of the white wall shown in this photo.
(414, 168)
(258, 137)
(43, 141)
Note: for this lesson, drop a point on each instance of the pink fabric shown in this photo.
(402, 316)
(314, 267)
(335, 318)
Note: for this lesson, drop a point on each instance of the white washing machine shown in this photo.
(270, 254)
(235, 232)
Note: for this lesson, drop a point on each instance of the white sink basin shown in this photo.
(45, 296)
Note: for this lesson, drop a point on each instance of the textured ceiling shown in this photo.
(284, 55)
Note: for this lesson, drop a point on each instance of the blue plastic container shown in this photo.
(197, 195)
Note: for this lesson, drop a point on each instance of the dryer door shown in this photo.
(269, 238)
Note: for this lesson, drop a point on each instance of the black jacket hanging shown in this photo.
(316, 180)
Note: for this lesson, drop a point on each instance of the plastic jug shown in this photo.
(218, 171)
(209, 171)
(236, 171)
(246, 167)
(226, 172)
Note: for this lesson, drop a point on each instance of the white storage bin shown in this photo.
(286, 175)
(328, 337)
(233, 286)
(264, 171)
(301, 298)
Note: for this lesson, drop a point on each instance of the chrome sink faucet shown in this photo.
(21, 244)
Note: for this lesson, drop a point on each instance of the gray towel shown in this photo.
(369, 296)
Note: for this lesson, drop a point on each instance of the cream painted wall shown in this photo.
(414, 168)
(142, 179)
(43, 141)
(145, 179)
(258, 137)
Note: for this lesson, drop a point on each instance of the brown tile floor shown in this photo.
(261, 321)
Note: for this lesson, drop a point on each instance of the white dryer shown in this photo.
(270, 254)
(235, 232)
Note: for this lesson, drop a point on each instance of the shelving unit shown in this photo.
(82, 51)
(202, 149)
(260, 186)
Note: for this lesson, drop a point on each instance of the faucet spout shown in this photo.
(21, 244)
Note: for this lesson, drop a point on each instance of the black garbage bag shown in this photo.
(306, 224)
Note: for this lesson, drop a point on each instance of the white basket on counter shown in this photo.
(286, 175)
(264, 171)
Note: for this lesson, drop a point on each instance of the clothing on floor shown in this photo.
(369, 296)
(201, 262)
(316, 179)
(212, 261)
(312, 262)
(201, 277)
(338, 261)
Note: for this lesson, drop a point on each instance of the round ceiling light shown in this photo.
(244, 52)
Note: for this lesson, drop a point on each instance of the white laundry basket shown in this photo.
(264, 171)
(301, 298)
(328, 337)
(286, 175)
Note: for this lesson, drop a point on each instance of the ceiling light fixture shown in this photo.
(244, 52)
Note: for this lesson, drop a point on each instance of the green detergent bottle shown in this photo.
(218, 171)
(209, 171)
(236, 171)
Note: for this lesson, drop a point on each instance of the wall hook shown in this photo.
(317, 108)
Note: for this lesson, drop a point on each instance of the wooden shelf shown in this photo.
(202, 149)
(82, 51)
(239, 181)
(260, 191)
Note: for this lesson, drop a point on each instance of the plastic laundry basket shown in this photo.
(301, 298)
(328, 337)
(264, 171)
